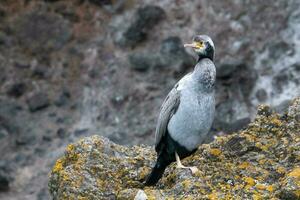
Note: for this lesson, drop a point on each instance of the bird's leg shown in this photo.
(180, 165)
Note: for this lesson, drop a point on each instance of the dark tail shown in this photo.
(157, 172)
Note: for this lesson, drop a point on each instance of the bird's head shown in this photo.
(203, 46)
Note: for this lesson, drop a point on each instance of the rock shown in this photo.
(40, 71)
(4, 183)
(3, 132)
(25, 139)
(261, 95)
(43, 194)
(39, 31)
(9, 110)
(226, 69)
(5, 40)
(61, 133)
(281, 80)
(294, 110)
(143, 61)
(22, 62)
(231, 115)
(144, 20)
(246, 79)
(2, 13)
(101, 2)
(141, 195)
(172, 55)
(81, 132)
(67, 12)
(282, 107)
(280, 48)
(38, 101)
(259, 161)
(63, 98)
(16, 90)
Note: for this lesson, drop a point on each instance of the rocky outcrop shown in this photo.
(259, 162)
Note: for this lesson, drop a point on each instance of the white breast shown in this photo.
(194, 116)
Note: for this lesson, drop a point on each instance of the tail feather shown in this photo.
(156, 173)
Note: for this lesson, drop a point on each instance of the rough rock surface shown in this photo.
(259, 162)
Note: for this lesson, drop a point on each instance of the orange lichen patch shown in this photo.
(215, 151)
(295, 173)
(270, 188)
(244, 165)
(249, 137)
(249, 181)
(70, 148)
(260, 187)
(82, 198)
(186, 184)
(276, 122)
(281, 170)
(151, 194)
(213, 196)
(58, 166)
(257, 197)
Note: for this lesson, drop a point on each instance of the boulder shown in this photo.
(38, 101)
(260, 162)
(143, 21)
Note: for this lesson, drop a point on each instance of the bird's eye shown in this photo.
(200, 44)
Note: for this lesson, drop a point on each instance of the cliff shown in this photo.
(259, 162)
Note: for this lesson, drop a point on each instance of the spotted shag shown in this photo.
(187, 113)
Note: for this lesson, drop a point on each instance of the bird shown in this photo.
(187, 112)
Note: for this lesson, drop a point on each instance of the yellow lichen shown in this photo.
(295, 173)
(281, 170)
(243, 165)
(58, 166)
(270, 188)
(150, 194)
(213, 196)
(70, 148)
(276, 122)
(186, 184)
(257, 197)
(215, 151)
(261, 146)
(250, 181)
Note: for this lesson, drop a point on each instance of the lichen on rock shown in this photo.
(259, 162)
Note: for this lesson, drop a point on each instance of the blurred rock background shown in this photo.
(72, 68)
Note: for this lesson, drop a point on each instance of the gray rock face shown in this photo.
(172, 55)
(41, 31)
(38, 101)
(145, 18)
(16, 89)
(4, 183)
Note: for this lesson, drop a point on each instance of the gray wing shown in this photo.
(168, 109)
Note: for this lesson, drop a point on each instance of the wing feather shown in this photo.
(168, 109)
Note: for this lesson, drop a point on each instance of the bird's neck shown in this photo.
(204, 75)
(209, 56)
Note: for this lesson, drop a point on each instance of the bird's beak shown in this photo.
(193, 45)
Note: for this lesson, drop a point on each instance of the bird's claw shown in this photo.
(194, 169)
